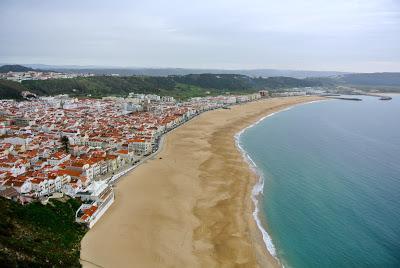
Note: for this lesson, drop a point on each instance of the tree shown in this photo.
(65, 143)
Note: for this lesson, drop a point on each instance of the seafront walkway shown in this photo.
(116, 177)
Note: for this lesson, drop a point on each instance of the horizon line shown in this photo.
(77, 66)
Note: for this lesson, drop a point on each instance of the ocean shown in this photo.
(329, 191)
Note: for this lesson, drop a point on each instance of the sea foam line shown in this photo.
(259, 186)
(257, 189)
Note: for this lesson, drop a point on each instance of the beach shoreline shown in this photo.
(191, 206)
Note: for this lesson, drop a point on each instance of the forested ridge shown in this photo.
(178, 86)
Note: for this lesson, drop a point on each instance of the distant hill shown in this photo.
(178, 86)
(372, 79)
(186, 83)
(181, 71)
(99, 70)
(14, 68)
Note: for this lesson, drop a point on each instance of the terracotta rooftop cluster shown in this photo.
(61, 144)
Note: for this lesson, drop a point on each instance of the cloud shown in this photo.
(341, 34)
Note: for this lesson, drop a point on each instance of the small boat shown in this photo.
(385, 98)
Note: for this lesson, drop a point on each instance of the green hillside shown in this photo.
(181, 87)
(99, 86)
(10, 90)
(235, 82)
(14, 68)
(35, 235)
(177, 86)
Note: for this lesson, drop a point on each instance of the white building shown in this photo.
(98, 197)
(139, 146)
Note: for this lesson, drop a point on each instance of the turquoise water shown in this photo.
(331, 195)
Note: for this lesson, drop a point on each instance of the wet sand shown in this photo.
(190, 206)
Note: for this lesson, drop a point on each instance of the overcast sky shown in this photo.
(340, 35)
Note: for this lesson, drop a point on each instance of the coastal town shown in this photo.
(240, 133)
(39, 75)
(57, 147)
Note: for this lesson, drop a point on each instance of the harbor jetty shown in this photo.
(344, 98)
(381, 97)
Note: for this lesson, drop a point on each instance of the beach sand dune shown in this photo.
(192, 207)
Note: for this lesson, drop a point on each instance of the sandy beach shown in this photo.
(190, 206)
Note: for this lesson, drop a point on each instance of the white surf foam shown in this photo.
(257, 189)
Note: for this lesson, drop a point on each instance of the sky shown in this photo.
(334, 35)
